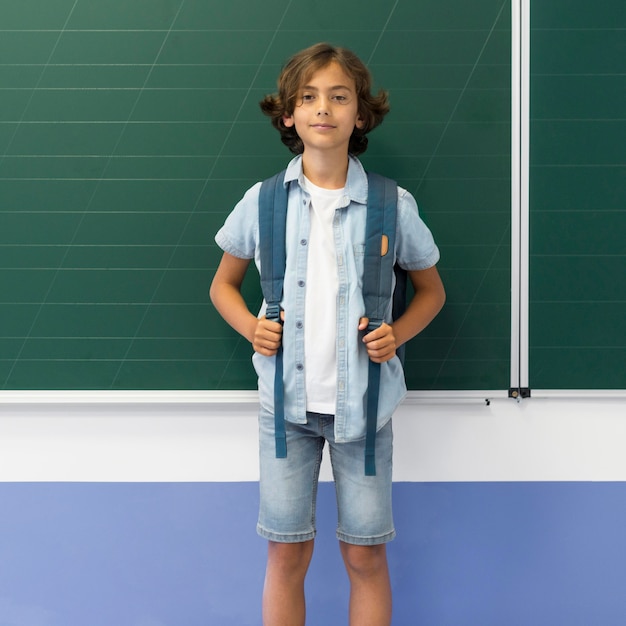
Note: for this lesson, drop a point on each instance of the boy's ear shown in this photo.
(360, 122)
(288, 121)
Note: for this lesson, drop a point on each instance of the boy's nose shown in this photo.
(322, 107)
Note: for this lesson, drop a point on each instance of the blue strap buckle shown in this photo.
(272, 312)
(374, 324)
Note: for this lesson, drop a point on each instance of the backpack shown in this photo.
(377, 284)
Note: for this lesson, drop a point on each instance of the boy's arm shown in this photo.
(427, 301)
(225, 292)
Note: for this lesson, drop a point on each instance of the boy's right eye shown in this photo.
(307, 97)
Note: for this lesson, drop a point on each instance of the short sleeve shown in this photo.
(239, 235)
(415, 246)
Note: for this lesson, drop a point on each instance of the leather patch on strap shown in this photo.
(384, 245)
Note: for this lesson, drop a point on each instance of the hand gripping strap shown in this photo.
(377, 287)
(272, 234)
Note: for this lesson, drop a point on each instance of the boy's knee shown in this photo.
(290, 559)
(364, 561)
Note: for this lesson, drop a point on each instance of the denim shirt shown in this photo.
(415, 249)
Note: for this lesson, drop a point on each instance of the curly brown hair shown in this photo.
(299, 69)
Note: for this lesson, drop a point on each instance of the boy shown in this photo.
(323, 110)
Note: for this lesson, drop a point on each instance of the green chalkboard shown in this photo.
(578, 195)
(128, 131)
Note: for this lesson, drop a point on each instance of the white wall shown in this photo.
(82, 438)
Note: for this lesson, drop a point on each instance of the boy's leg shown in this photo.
(288, 489)
(283, 593)
(365, 525)
(370, 588)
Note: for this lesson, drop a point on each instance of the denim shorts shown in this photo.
(289, 486)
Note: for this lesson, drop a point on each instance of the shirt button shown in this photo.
(300, 283)
(299, 367)
(299, 324)
(303, 242)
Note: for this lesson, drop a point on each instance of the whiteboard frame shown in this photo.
(520, 176)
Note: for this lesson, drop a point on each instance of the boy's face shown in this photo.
(326, 111)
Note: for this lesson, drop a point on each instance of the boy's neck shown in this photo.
(326, 170)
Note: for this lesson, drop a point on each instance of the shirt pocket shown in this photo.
(358, 256)
(358, 249)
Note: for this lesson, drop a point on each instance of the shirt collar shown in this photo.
(356, 183)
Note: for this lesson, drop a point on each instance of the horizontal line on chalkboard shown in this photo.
(611, 346)
(53, 303)
(430, 178)
(578, 302)
(140, 65)
(169, 180)
(242, 89)
(102, 178)
(575, 210)
(207, 304)
(576, 256)
(110, 156)
(121, 122)
(247, 30)
(160, 338)
(565, 165)
(109, 245)
(220, 213)
(230, 122)
(220, 89)
(578, 75)
(111, 338)
(242, 64)
(247, 180)
(102, 268)
(578, 120)
(196, 360)
(208, 157)
(120, 360)
(577, 29)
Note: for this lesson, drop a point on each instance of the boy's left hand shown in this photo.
(380, 342)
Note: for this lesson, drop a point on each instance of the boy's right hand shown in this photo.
(267, 336)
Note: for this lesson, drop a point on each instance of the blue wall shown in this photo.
(186, 554)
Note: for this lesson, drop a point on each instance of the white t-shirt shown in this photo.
(320, 332)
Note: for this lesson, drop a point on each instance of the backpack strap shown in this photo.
(272, 235)
(380, 235)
